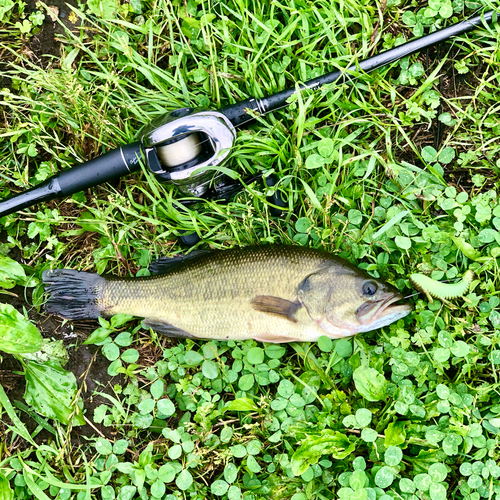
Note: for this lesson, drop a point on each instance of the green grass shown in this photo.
(408, 412)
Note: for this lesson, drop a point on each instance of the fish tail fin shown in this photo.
(73, 294)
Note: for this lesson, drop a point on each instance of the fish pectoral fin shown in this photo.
(166, 329)
(275, 339)
(276, 305)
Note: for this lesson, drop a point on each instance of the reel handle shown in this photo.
(112, 165)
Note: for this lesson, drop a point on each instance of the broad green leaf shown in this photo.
(302, 225)
(241, 404)
(219, 487)
(98, 336)
(210, 369)
(245, 383)
(51, 350)
(363, 417)
(325, 343)
(103, 446)
(106, 9)
(184, 480)
(403, 242)
(446, 156)
(275, 351)
(393, 455)
(193, 358)
(328, 442)
(123, 339)
(119, 320)
(325, 147)
(446, 11)
(11, 272)
(256, 355)
(51, 391)
(6, 492)
(146, 406)
(343, 348)
(111, 351)
(429, 154)
(166, 407)
(286, 388)
(355, 216)
(234, 493)
(370, 383)
(409, 18)
(157, 389)
(314, 161)
(395, 434)
(384, 477)
(230, 472)
(369, 435)
(17, 335)
(158, 489)
(130, 355)
(5, 6)
(253, 465)
(416, 70)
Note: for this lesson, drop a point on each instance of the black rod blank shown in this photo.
(112, 165)
(237, 112)
(125, 159)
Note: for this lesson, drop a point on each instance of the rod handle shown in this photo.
(112, 165)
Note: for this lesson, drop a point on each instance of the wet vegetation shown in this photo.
(397, 172)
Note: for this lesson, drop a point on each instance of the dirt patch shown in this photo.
(44, 45)
(85, 362)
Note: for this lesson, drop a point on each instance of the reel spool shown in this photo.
(181, 147)
(180, 150)
(184, 146)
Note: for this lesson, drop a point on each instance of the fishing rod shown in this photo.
(184, 147)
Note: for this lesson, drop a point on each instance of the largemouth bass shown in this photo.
(267, 293)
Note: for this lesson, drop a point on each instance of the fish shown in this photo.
(274, 294)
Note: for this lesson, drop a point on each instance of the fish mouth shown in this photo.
(383, 312)
(391, 307)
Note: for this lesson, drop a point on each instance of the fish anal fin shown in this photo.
(166, 329)
(275, 339)
(276, 305)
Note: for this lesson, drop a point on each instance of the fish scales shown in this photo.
(211, 297)
(271, 294)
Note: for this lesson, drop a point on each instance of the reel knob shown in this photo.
(181, 147)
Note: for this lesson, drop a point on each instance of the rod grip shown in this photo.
(112, 165)
(117, 163)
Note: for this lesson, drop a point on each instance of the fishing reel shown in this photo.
(183, 147)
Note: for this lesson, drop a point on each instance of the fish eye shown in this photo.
(369, 288)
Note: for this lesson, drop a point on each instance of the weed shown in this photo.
(410, 411)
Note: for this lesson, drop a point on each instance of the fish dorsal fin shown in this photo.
(166, 265)
(276, 305)
(166, 329)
